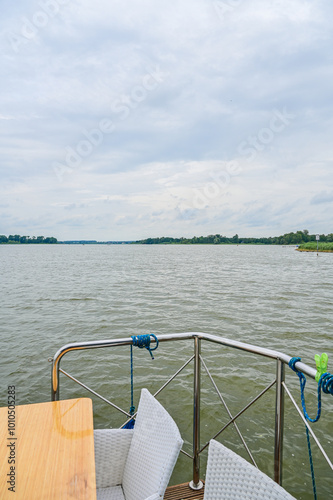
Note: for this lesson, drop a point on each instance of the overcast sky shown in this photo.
(127, 119)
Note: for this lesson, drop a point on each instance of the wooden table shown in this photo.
(53, 452)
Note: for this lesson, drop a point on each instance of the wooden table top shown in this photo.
(53, 451)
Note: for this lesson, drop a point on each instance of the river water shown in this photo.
(271, 296)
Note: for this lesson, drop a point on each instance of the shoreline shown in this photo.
(313, 250)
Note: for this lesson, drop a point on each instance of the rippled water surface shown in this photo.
(269, 296)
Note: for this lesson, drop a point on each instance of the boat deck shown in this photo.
(183, 492)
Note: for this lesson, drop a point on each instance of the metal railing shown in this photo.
(197, 338)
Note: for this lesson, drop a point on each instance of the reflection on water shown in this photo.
(270, 296)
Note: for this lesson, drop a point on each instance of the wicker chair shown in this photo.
(230, 477)
(136, 464)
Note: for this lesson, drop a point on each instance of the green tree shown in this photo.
(305, 235)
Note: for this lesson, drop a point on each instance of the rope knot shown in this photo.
(143, 341)
(292, 363)
(326, 383)
(132, 410)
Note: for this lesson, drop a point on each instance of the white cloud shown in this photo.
(220, 75)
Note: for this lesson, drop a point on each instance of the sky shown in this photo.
(122, 120)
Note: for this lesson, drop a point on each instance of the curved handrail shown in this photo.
(96, 344)
(280, 358)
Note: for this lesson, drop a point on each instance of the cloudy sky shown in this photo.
(127, 119)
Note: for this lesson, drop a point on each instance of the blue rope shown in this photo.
(132, 408)
(326, 384)
(302, 382)
(140, 341)
(326, 381)
(130, 424)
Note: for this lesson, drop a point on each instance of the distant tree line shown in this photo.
(93, 242)
(217, 239)
(17, 239)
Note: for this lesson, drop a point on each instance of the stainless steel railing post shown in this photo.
(280, 357)
(55, 387)
(279, 421)
(196, 484)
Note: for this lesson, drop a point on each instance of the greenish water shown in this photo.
(274, 297)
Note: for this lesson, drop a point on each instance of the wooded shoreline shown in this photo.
(298, 238)
(302, 239)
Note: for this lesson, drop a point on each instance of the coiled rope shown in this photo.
(141, 341)
(326, 384)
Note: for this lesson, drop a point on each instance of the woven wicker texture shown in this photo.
(137, 465)
(153, 452)
(111, 449)
(112, 492)
(230, 477)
